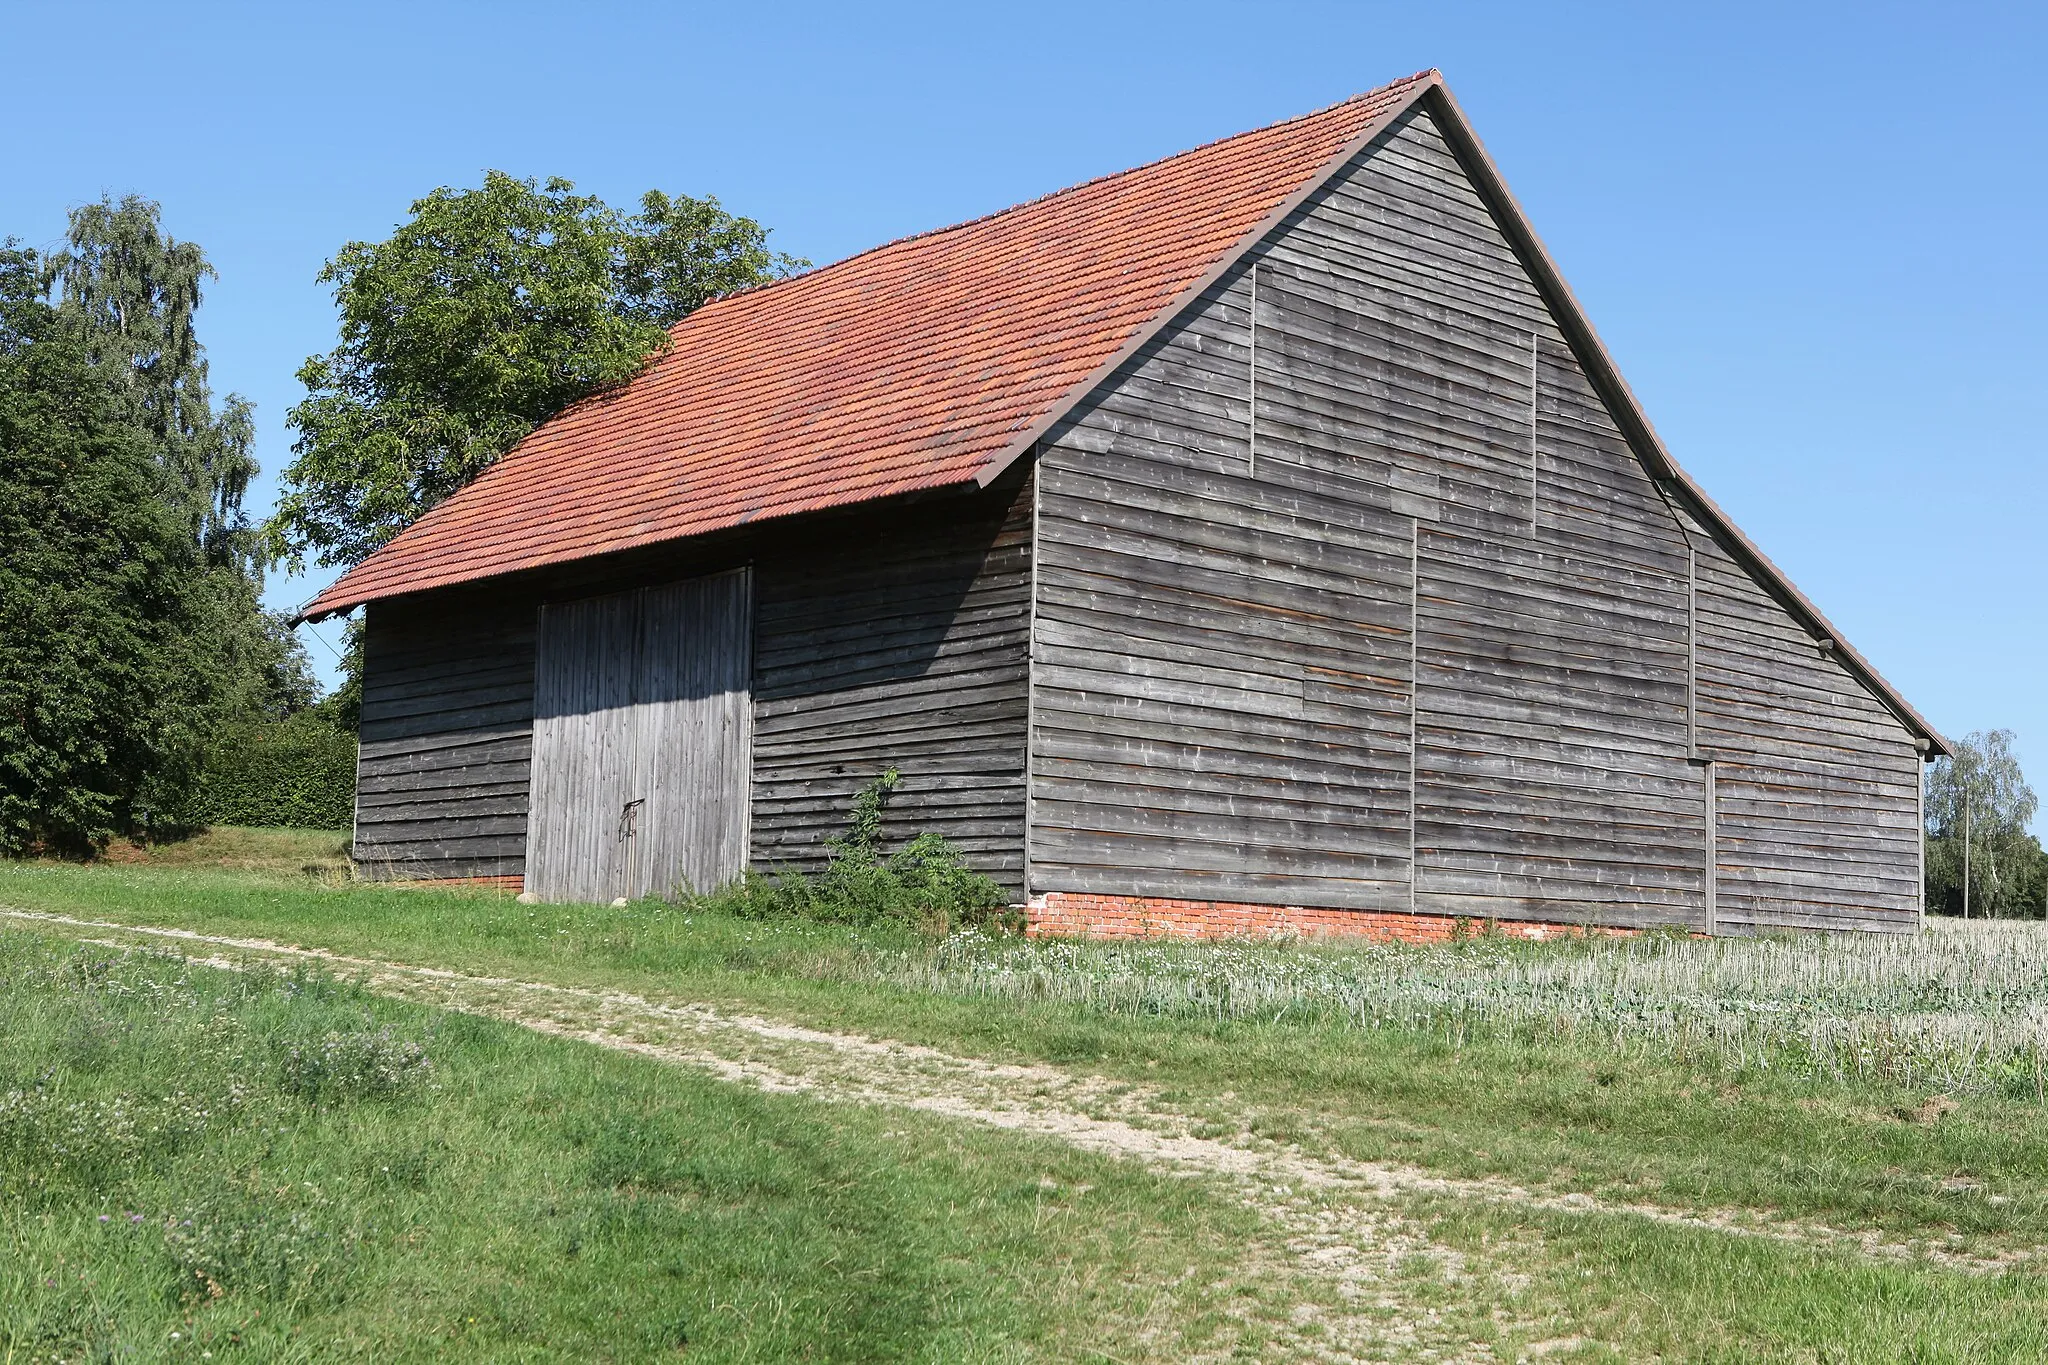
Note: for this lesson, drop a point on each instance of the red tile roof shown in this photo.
(914, 366)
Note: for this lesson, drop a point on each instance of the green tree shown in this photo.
(484, 314)
(1980, 857)
(130, 294)
(133, 641)
(101, 589)
(343, 707)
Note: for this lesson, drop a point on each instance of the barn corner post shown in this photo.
(1029, 887)
(1414, 697)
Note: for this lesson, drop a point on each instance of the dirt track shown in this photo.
(1340, 1221)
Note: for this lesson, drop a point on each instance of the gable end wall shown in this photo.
(1374, 607)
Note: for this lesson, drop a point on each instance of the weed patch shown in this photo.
(361, 1063)
(925, 885)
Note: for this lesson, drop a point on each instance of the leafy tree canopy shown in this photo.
(132, 635)
(95, 584)
(128, 294)
(1979, 803)
(483, 315)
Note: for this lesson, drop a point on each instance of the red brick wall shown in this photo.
(1066, 913)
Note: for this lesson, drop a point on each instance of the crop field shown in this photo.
(288, 1118)
(1962, 1009)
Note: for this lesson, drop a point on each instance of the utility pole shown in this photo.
(1966, 850)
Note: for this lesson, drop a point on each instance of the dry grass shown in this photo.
(1962, 1007)
(321, 853)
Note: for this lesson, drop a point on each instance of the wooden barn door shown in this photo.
(642, 741)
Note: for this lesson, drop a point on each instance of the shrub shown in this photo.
(364, 1064)
(51, 1142)
(278, 1246)
(925, 884)
(299, 772)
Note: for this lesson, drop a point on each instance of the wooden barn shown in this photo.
(1257, 539)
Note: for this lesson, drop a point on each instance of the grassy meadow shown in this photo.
(1886, 1090)
(207, 1164)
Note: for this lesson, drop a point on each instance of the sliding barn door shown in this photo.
(694, 734)
(642, 741)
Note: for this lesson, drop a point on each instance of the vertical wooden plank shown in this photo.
(661, 721)
(692, 717)
(1535, 382)
(1414, 690)
(611, 786)
(1692, 648)
(1920, 821)
(1031, 682)
(1252, 382)
(1713, 871)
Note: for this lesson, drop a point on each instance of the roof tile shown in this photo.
(908, 367)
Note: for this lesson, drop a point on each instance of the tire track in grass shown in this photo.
(1090, 1112)
(1359, 1257)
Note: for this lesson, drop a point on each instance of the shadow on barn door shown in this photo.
(642, 740)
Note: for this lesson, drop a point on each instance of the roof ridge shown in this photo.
(1074, 188)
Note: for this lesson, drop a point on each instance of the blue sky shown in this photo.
(1813, 236)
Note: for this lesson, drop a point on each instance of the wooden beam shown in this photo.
(1713, 886)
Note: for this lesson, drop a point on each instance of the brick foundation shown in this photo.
(1063, 913)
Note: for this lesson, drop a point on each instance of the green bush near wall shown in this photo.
(299, 772)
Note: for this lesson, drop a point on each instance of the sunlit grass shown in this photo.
(1962, 1008)
(1670, 1071)
(202, 1164)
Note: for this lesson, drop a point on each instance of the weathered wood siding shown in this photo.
(896, 642)
(1817, 783)
(1221, 662)
(586, 667)
(885, 639)
(441, 783)
(1387, 541)
(641, 741)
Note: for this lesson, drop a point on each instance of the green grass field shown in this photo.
(547, 1197)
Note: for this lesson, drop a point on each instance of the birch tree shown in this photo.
(1980, 858)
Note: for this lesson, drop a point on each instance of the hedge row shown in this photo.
(299, 772)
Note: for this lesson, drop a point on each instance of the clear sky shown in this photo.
(1812, 235)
